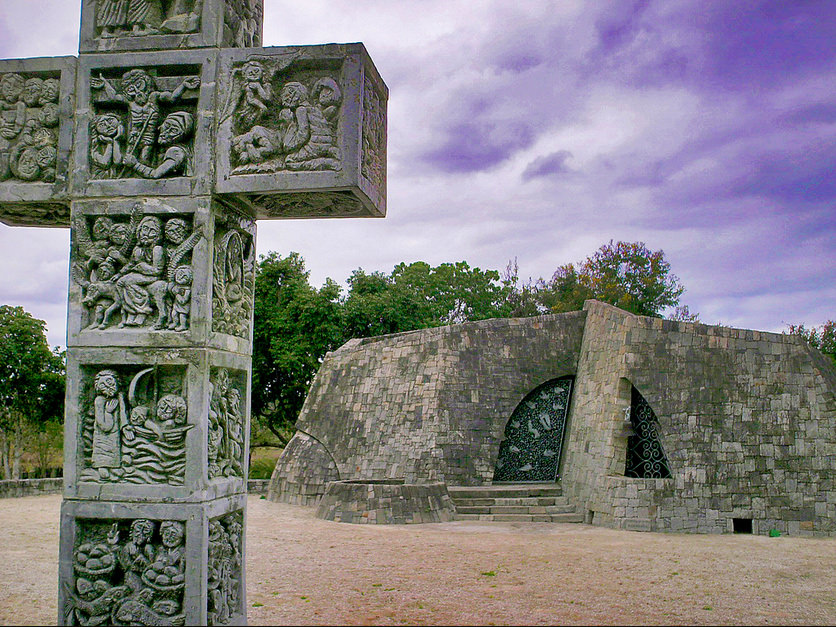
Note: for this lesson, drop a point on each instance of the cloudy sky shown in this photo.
(539, 130)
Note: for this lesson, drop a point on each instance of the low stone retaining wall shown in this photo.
(35, 487)
(31, 487)
(386, 502)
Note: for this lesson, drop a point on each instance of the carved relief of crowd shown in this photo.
(134, 428)
(127, 573)
(243, 19)
(279, 124)
(117, 18)
(225, 565)
(226, 425)
(136, 271)
(29, 119)
(137, 131)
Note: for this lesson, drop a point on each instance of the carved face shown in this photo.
(176, 230)
(172, 533)
(137, 86)
(183, 275)
(253, 71)
(51, 89)
(171, 131)
(139, 415)
(106, 384)
(107, 125)
(294, 94)
(101, 228)
(49, 115)
(149, 231)
(118, 234)
(106, 271)
(172, 407)
(11, 87)
(32, 90)
(141, 531)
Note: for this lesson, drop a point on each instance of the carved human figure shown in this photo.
(12, 117)
(307, 138)
(109, 414)
(34, 156)
(102, 296)
(256, 92)
(174, 131)
(181, 289)
(169, 565)
(144, 16)
(146, 265)
(137, 553)
(142, 100)
(111, 16)
(105, 152)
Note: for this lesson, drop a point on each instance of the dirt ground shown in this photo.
(306, 571)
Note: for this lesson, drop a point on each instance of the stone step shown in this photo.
(552, 518)
(515, 509)
(533, 501)
(516, 490)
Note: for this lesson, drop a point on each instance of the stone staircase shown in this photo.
(513, 502)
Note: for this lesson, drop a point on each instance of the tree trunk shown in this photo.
(17, 445)
(5, 453)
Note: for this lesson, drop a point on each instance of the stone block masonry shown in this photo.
(160, 147)
(746, 419)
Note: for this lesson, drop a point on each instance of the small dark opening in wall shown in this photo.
(742, 525)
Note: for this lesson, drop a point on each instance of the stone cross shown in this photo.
(160, 145)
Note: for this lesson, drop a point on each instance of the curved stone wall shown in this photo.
(302, 472)
(385, 502)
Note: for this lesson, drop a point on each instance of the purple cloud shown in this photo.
(555, 163)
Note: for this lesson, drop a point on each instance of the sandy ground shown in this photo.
(306, 571)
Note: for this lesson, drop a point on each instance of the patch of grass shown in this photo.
(489, 573)
(257, 604)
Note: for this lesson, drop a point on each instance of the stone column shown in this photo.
(157, 427)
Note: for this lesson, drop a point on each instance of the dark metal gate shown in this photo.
(534, 434)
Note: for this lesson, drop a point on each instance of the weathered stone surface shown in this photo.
(37, 100)
(386, 502)
(302, 131)
(120, 145)
(745, 418)
(131, 25)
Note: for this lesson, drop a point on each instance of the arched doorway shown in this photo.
(534, 434)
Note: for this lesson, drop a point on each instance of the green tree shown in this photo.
(625, 274)
(31, 384)
(295, 325)
(823, 337)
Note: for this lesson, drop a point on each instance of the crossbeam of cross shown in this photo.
(160, 146)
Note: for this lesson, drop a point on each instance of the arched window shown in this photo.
(534, 434)
(646, 458)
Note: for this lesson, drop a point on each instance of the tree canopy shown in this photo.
(31, 381)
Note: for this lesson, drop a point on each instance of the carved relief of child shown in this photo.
(181, 289)
(102, 296)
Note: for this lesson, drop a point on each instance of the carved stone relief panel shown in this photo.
(126, 572)
(133, 424)
(243, 23)
(292, 120)
(135, 271)
(373, 160)
(284, 116)
(233, 278)
(137, 18)
(143, 123)
(227, 407)
(29, 120)
(225, 568)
